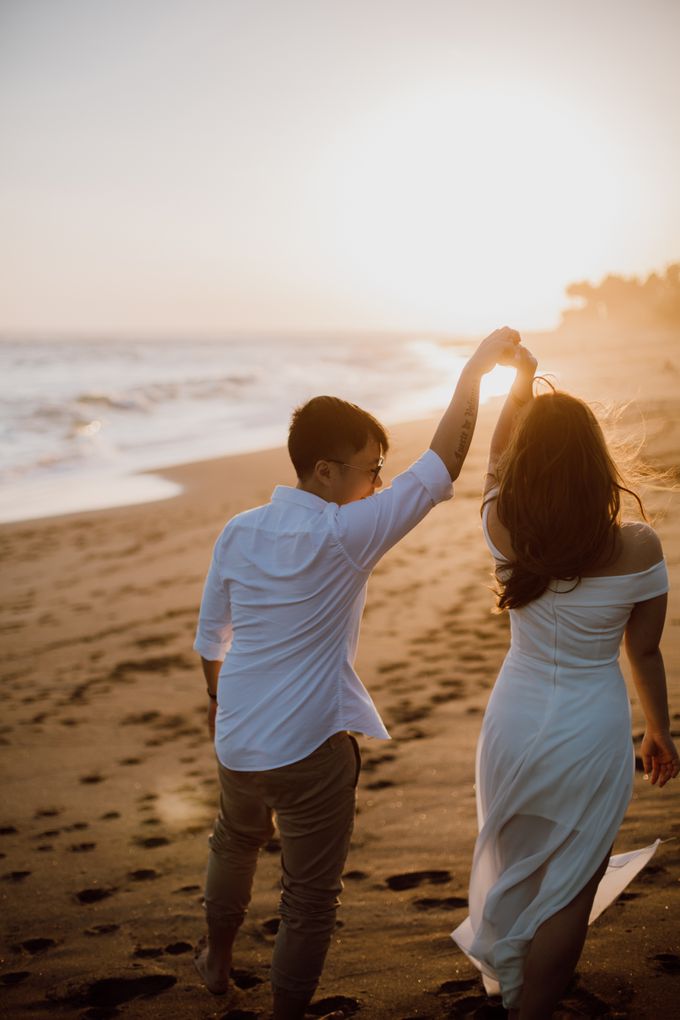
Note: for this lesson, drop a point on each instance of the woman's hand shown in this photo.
(524, 362)
(212, 712)
(659, 757)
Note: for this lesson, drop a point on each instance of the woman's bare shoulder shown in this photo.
(499, 534)
(641, 545)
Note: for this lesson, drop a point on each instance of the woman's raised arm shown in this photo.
(520, 393)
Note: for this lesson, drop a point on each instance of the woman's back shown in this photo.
(578, 624)
(581, 623)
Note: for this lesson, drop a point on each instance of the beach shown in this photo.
(110, 789)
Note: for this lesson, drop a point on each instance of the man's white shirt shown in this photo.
(282, 606)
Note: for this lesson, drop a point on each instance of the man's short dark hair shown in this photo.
(330, 428)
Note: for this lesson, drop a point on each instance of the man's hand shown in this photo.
(499, 348)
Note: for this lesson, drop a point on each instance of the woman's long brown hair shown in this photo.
(559, 497)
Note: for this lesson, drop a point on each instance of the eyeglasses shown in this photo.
(373, 472)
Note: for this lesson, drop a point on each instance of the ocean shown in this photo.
(84, 421)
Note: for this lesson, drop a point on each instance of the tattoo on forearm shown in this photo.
(467, 428)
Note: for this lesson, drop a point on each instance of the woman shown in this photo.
(555, 758)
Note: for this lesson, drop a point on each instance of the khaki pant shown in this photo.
(314, 802)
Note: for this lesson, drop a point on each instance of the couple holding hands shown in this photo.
(278, 631)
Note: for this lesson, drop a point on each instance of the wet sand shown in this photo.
(109, 783)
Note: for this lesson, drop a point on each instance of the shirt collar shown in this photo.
(289, 494)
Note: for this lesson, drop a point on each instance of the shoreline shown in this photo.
(110, 783)
(181, 474)
(589, 367)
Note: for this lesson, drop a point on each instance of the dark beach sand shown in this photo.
(108, 776)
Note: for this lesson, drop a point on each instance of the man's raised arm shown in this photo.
(452, 438)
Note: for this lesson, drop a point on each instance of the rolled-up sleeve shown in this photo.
(367, 528)
(214, 632)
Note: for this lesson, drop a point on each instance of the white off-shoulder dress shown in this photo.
(554, 770)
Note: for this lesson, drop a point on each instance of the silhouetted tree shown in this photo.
(620, 300)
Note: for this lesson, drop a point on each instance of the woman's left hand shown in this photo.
(660, 758)
(524, 361)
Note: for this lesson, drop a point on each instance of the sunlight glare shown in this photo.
(448, 362)
(448, 203)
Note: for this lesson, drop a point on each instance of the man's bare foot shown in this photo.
(214, 979)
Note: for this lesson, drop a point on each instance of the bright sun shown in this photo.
(467, 208)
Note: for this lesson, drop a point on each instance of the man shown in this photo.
(277, 633)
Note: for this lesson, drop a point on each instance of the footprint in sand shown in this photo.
(140, 719)
(241, 1014)
(92, 778)
(667, 963)
(143, 875)
(161, 664)
(471, 657)
(455, 987)
(379, 784)
(101, 929)
(39, 945)
(14, 977)
(412, 879)
(15, 876)
(427, 674)
(474, 1007)
(369, 763)
(178, 948)
(444, 696)
(412, 733)
(651, 874)
(245, 979)
(148, 642)
(151, 842)
(8, 830)
(110, 815)
(94, 895)
(82, 848)
(47, 813)
(407, 713)
(391, 667)
(271, 926)
(111, 992)
(446, 903)
(579, 1002)
(343, 1003)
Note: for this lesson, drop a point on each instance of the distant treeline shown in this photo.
(621, 300)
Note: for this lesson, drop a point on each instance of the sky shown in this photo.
(215, 166)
